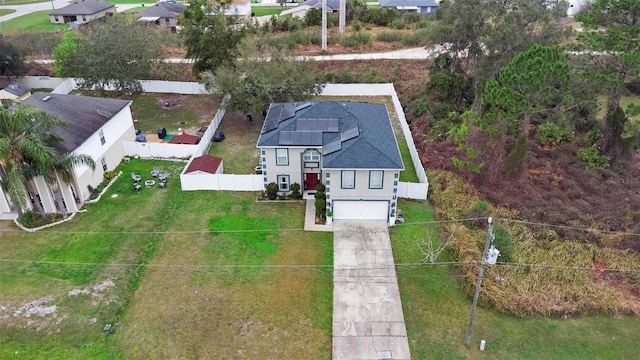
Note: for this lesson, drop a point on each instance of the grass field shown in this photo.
(437, 312)
(22, 2)
(6, 12)
(176, 273)
(238, 150)
(34, 22)
(266, 10)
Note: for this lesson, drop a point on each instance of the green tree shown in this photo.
(612, 43)
(117, 53)
(26, 139)
(67, 54)
(11, 60)
(535, 84)
(257, 81)
(211, 37)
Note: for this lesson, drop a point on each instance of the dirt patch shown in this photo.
(602, 274)
(171, 101)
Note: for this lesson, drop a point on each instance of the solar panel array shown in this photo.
(349, 134)
(331, 147)
(325, 125)
(305, 138)
(300, 106)
(278, 113)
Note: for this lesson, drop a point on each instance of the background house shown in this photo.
(163, 13)
(81, 12)
(350, 147)
(97, 128)
(14, 92)
(423, 7)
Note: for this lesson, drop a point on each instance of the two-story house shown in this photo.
(348, 146)
(97, 128)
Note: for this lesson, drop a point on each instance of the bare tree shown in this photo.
(431, 248)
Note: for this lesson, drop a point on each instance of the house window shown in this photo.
(55, 18)
(84, 18)
(282, 157)
(375, 179)
(283, 182)
(348, 179)
(104, 164)
(102, 139)
(167, 21)
(311, 155)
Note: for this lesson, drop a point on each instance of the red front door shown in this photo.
(310, 181)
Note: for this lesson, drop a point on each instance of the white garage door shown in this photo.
(360, 210)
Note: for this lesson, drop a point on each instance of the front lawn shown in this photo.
(179, 275)
(437, 312)
(266, 10)
(34, 22)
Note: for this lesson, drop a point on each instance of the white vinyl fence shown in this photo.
(159, 150)
(413, 191)
(228, 182)
(67, 85)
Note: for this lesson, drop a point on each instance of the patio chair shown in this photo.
(155, 172)
(163, 183)
(137, 186)
(135, 177)
(164, 176)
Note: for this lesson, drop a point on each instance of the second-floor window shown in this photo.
(282, 157)
(375, 179)
(311, 155)
(348, 179)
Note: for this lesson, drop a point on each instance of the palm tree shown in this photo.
(26, 148)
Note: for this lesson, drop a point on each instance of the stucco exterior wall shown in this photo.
(120, 128)
(333, 181)
(294, 169)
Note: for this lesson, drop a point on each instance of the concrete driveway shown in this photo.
(368, 322)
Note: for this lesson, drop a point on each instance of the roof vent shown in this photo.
(46, 98)
(105, 114)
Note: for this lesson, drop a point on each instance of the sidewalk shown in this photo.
(310, 219)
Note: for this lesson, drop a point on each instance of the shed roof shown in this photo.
(84, 7)
(84, 114)
(16, 89)
(163, 9)
(205, 163)
(184, 139)
(364, 138)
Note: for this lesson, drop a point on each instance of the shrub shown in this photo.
(398, 24)
(272, 191)
(109, 175)
(313, 17)
(478, 210)
(502, 242)
(295, 191)
(320, 188)
(592, 158)
(389, 36)
(33, 219)
(593, 137)
(355, 40)
(371, 76)
(321, 200)
(550, 134)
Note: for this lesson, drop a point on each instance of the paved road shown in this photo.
(368, 322)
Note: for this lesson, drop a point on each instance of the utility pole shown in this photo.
(492, 261)
(324, 25)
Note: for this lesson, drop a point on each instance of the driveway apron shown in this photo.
(368, 322)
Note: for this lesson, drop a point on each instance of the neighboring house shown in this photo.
(97, 128)
(14, 92)
(422, 7)
(332, 5)
(350, 147)
(163, 13)
(82, 12)
(205, 164)
(241, 8)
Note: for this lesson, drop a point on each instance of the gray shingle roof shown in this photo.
(84, 114)
(331, 4)
(419, 3)
(16, 89)
(83, 7)
(374, 147)
(163, 10)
